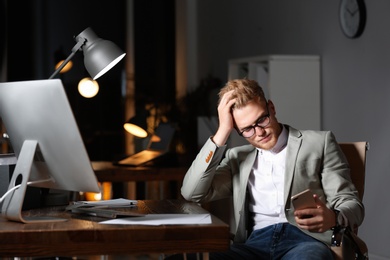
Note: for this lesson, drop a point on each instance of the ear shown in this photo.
(271, 107)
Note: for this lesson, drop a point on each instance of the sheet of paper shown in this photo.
(162, 219)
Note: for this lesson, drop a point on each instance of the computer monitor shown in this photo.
(46, 141)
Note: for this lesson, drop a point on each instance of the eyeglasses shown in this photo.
(262, 122)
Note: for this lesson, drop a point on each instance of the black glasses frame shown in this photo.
(257, 124)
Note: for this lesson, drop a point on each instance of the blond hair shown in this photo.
(245, 91)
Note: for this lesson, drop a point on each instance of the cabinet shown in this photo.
(292, 82)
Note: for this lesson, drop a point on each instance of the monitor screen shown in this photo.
(46, 141)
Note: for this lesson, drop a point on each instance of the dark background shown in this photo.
(32, 31)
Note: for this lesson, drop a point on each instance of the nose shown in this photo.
(259, 130)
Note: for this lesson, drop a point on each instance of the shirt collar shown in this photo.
(280, 144)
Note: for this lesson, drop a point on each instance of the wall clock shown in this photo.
(352, 17)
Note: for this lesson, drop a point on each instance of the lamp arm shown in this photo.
(75, 48)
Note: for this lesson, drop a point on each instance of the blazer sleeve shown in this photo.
(338, 186)
(201, 179)
(321, 166)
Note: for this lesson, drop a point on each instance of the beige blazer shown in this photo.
(314, 160)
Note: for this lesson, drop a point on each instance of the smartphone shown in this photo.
(303, 200)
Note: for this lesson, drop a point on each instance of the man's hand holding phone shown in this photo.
(303, 200)
(311, 213)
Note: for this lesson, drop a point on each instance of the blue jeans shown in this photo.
(279, 241)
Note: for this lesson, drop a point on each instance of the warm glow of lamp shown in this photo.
(104, 194)
(67, 67)
(88, 87)
(99, 55)
(59, 58)
(92, 196)
(155, 138)
(137, 125)
(135, 130)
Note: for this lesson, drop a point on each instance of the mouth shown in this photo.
(265, 139)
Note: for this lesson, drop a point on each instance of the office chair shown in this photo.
(342, 246)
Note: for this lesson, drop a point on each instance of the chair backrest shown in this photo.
(355, 152)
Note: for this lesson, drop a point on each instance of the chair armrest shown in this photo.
(347, 245)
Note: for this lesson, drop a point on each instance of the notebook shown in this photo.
(155, 149)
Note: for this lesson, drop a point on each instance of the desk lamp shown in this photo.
(137, 125)
(99, 55)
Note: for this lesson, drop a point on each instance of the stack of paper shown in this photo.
(108, 203)
(163, 219)
(104, 208)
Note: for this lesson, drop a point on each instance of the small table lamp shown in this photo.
(137, 126)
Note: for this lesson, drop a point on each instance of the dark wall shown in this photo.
(3, 33)
(19, 32)
(154, 51)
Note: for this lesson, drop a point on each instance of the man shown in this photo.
(278, 162)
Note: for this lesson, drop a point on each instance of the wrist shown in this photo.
(220, 138)
(337, 219)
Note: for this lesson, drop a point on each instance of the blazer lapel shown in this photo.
(245, 170)
(293, 146)
(240, 199)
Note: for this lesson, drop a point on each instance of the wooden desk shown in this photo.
(157, 177)
(106, 171)
(77, 237)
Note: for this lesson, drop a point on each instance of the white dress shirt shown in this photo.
(266, 184)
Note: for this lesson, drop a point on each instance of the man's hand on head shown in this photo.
(226, 123)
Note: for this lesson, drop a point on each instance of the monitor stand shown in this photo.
(12, 205)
